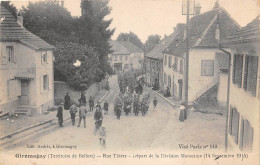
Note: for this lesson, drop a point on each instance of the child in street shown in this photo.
(102, 137)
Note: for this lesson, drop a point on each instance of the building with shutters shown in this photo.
(126, 56)
(26, 68)
(205, 32)
(244, 105)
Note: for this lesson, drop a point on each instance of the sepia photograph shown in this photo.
(130, 82)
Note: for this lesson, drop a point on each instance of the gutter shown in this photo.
(228, 95)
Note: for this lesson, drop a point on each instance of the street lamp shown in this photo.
(187, 9)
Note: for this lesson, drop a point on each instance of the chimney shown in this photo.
(20, 19)
(197, 9)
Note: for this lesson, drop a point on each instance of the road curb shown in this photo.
(41, 123)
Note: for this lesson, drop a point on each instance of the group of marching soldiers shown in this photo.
(131, 103)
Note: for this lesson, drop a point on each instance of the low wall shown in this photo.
(61, 88)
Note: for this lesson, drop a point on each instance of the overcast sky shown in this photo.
(146, 17)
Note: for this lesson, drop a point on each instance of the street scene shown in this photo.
(83, 78)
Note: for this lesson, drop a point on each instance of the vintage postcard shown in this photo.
(129, 82)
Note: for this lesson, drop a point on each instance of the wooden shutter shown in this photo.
(241, 134)
(248, 136)
(254, 75)
(238, 70)
(230, 119)
(246, 73)
(234, 69)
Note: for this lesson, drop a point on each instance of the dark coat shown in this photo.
(67, 102)
(105, 106)
(98, 115)
(59, 112)
(83, 99)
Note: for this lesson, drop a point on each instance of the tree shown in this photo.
(80, 77)
(11, 8)
(49, 21)
(131, 37)
(151, 42)
(94, 30)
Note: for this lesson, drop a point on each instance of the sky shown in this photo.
(146, 17)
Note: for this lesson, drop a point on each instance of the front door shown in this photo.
(180, 89)
(24, 100)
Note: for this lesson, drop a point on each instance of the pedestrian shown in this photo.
(98, 106)
(106, 107)
(98, 119)
(73, 111)
(82, 114)
(102, 136)
(154, 102)
(91, 104)
(67, 101)
(60, 114)
(83, 100)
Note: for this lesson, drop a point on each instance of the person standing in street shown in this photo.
(106, 107)
(91, 104)
(60, 114)
(98, 119)
(73, 111)
(154, 102)
(83, 100)
(82, 114)
(67, 101)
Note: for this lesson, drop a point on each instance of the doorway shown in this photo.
(24, 100)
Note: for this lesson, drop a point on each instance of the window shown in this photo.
(157, 65)
(148, 65)
(115, 57)
(176, 63)
(250, 74)
(237, 70)
(170, 62)
(44, 57)
(234, 123)
(207, 68)
(121, 57)
(165, 60)
(169, 81)
(45, 82)
(246, 135)
(126, 57)
(10, 53)
(181, 66)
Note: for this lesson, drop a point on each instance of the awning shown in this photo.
(24, 76)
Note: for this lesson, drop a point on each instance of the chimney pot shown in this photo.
(20, 19)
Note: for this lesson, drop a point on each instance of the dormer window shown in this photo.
(44, 57)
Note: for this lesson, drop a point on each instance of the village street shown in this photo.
(159, 129)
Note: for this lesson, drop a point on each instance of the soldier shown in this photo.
(106, 107)
(73, 111)
(60, 114)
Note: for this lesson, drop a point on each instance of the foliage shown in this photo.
(151, 42)
(49, 21)
(131, 37)
(66, 54)
(10, 7)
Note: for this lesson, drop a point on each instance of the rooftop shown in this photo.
(124, 47)
(11, 31)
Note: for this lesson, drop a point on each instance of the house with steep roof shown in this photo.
(205, 32)
(154, 60)
(26, 68)
(243, 47)
(126, 56)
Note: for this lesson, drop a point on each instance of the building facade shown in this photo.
(205, 32)
(244, 98)
(126, 56)
(26, 69)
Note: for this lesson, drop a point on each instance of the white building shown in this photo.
(244, 104)
(205, 31)
(126, 56)
(26, 68)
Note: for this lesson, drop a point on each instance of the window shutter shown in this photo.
(230, 120)
(48, 82)
(254, 75)
(248, 136)
(41, 58)
(246, 73)
(234, 69)
(238, 70)
(41, 83)
(13, 54)
(241, 134)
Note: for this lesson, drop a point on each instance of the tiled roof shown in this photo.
(247, 34)
(124, 47)
(202, 30)
(10, 30)
(157, 51)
